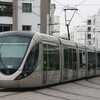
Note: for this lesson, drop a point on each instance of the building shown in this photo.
(88, 34)
(26, 15)
(96, 30)
(83, 34)
(56, 31)
(78, 34)
(30, 15)
(54, 22)
(89, 31)
(52, 7)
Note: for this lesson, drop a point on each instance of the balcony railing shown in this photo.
(6, 13)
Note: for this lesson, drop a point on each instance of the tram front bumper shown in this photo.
(9, 84)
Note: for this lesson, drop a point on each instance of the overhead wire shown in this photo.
(80, 3)
(58, 2)
(20, 8)
(80, 16)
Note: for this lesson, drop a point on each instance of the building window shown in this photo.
(26, 7)
(88, 36)
(89, 29)
(5, 28)
(88, 22)
(51, 57)
(5, 9)
(26, 27)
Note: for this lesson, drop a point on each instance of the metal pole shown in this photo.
(68, 31)
(67, 22)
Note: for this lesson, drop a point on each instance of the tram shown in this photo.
(29, 59)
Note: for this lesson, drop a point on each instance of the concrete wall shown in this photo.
(45, 15)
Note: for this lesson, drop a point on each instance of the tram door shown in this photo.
(51, 69)
(91, 63)
(70, 64)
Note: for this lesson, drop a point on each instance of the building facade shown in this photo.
(89, 31)
(26, 15)
(30, 15)
(56, 31)
(78, 34)
(96, 30)
(88, 34)
(54, 22)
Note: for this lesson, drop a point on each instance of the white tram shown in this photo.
(30, 59)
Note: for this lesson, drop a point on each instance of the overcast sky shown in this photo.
(85, 8)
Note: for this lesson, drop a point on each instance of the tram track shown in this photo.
(76, 94)
(58, 97)
(35, 91)
(11, 94)
(50, 95)
(93, 82)
(86, 86)
(54, 89)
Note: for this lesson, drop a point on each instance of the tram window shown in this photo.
(74, 59)
(45, 48)
(70, 58)
(98, 60)
(51, 57)
(66, 58)
(91, 60)
(82, 56)
(74, 55)
(32, 59)
(84, 59)
(94, 60)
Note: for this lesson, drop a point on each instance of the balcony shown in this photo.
(6, 9)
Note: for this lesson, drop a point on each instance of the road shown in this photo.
(77, 90)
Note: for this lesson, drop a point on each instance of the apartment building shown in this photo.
(30, 15)
(88, 34)
(96, 30)
(89, 31)
(78, 34)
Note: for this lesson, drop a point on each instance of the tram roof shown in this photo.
(67, 42)
(49, 38)
(17, 33)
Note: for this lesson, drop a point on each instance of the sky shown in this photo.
(85, 8)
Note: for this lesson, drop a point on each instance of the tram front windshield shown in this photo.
(12, 52)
